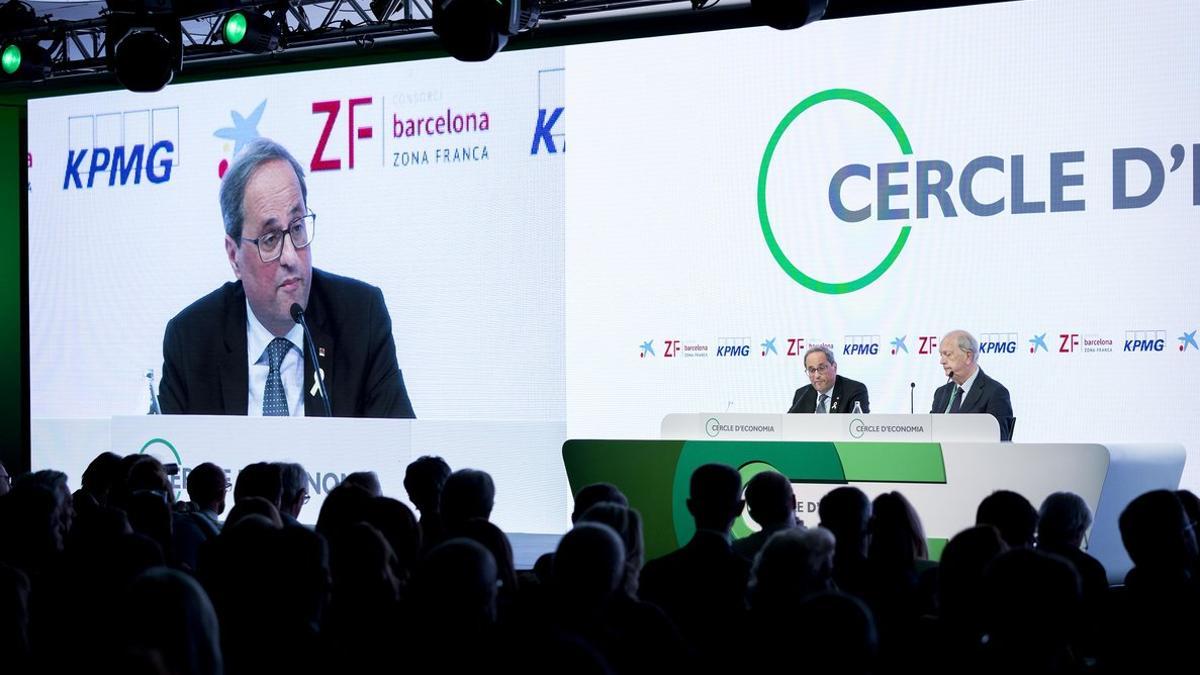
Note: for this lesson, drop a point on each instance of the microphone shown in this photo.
(154, 407)
(912, 392)
(298, 317)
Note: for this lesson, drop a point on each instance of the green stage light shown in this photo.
(252, 33)
(25, 61)
(11, 59)
(235, 28)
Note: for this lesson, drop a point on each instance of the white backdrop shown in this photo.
(664, 242)
(522, 286)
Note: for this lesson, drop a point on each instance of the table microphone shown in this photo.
(912, 392)
(298, 317)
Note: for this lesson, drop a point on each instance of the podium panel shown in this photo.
(530, 491)
(776, 427)
(944, 481)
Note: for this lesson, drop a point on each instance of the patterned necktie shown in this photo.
(821, 405)
(274, 402)
(955, 400)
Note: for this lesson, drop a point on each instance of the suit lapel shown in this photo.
(835, 396)
(808, 400)
(234, 373)
(318, 323)
(974, 395)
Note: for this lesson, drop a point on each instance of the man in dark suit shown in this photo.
(702, 586)
(238, 351)
(827, 392)
(970, 390)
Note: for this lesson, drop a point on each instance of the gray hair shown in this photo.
(967, 343)
(233, 186)
(1063, 517)
(294, 478)
(824, 350)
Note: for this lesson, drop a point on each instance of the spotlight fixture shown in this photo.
(474, 30)
(788, 14)
(251, 33)
(26, 61)
(143, 43)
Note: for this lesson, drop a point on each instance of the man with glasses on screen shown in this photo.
(826, 392)
(238, 351)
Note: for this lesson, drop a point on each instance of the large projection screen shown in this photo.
(1025, 171)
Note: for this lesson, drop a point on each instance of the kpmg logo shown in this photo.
(1188, 341)
(938, 189)
(121, 148)
(550, 130)
(998, 343)
(733, 347)
(1145, 340)
(860, 345)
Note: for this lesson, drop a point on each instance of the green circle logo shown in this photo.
(831, 288)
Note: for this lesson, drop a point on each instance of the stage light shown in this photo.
(251, 33)
(788, 14)
(474, 30)
(25, 62)
(145, 51)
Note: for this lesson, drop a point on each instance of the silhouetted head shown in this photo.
(1158, 535)
(588, 566)
(1062, 520)
(100, 476)
(363, 567)
(627, 523)
(253, 506)
(793, 564)
(469, 493)
(960, 572)
(770, 499)
(496, 542)
(398, 525)
(345, 505)
(590, 495)
(846, 512)
(1011, 514)
(423, 480)
(897, 536)
(454, 586)
(167, 611)
(261, 479)
(715, 497)
(293, 480)
(367, 480)
(207, 486)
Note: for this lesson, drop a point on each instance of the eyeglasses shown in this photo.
(819, 369)
(270, 244)
(307, 497)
